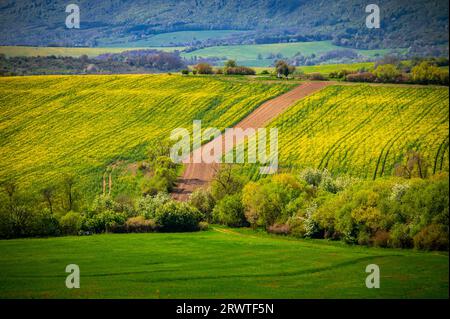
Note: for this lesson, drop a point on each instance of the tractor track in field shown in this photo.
(197, 175)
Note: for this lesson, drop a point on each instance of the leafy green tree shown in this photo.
(283, 68)
(48, 193)
(204, 68)
(71, 223)
(230, 64)
(426, 73)
(227, 181)
(203, 200)
(176, 216)
(230, 211)
(387, 73)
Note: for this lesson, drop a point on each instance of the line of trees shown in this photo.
(230, 68)
(407, 210)
(134, 61)
(418, 71)
(400, 212)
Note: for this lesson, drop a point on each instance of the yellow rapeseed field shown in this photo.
(366, 130)
(52, 125)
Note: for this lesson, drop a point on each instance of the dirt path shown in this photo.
(199, 175)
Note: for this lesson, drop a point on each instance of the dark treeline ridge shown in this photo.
(404, 23)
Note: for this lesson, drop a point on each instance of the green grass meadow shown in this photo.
(219, 263)
(11, 51)
(248, 54)
(171, 38)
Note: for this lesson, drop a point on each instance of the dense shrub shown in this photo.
(230, 211)
(106, 221)
(273, 200)
(71, 223)
(361, 77)
(279, 229)
(147, 205)
(387, 213)
(340, 74)
(312, 176)
(432, 237)
(177, 217)
(227, 181)
(203, 226)
(21, 221)
(203, 200)
(316, 76)
(44, 224)
(185, 72)
(381, 238)
(102, 203)
(203, 68)
(297, 226)
(427, 73)
(400, 237)
(139, 224)
(387, 73)
(239, 70)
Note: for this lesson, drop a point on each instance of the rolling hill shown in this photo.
(404, 23)
(365, 130)
(264, 55)
(50, 125)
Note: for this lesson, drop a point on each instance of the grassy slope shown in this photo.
(248, 54)
(55, 124)
(214, 264)
(74, 52)
(172, 38)
(363, 129)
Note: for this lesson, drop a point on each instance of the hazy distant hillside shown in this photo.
(404, 22)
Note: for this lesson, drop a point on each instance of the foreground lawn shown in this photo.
(220, 263)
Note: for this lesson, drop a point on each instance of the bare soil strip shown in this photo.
(200, 174)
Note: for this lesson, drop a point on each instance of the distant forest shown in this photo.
(404, 23)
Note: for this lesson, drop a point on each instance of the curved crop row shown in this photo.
(50, 125)
(365, 130)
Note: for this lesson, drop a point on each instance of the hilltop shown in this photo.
(404, 23)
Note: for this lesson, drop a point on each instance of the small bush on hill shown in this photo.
(204, 201)
(432, 237)
(239, 70)
(203, 226)
(147, 205)
(139, 224)
(361, 77)
(387, 73)
(203, 68)
(279, 229)
(71, 223)
(177, 217)
(316, 77)
(427, 73)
